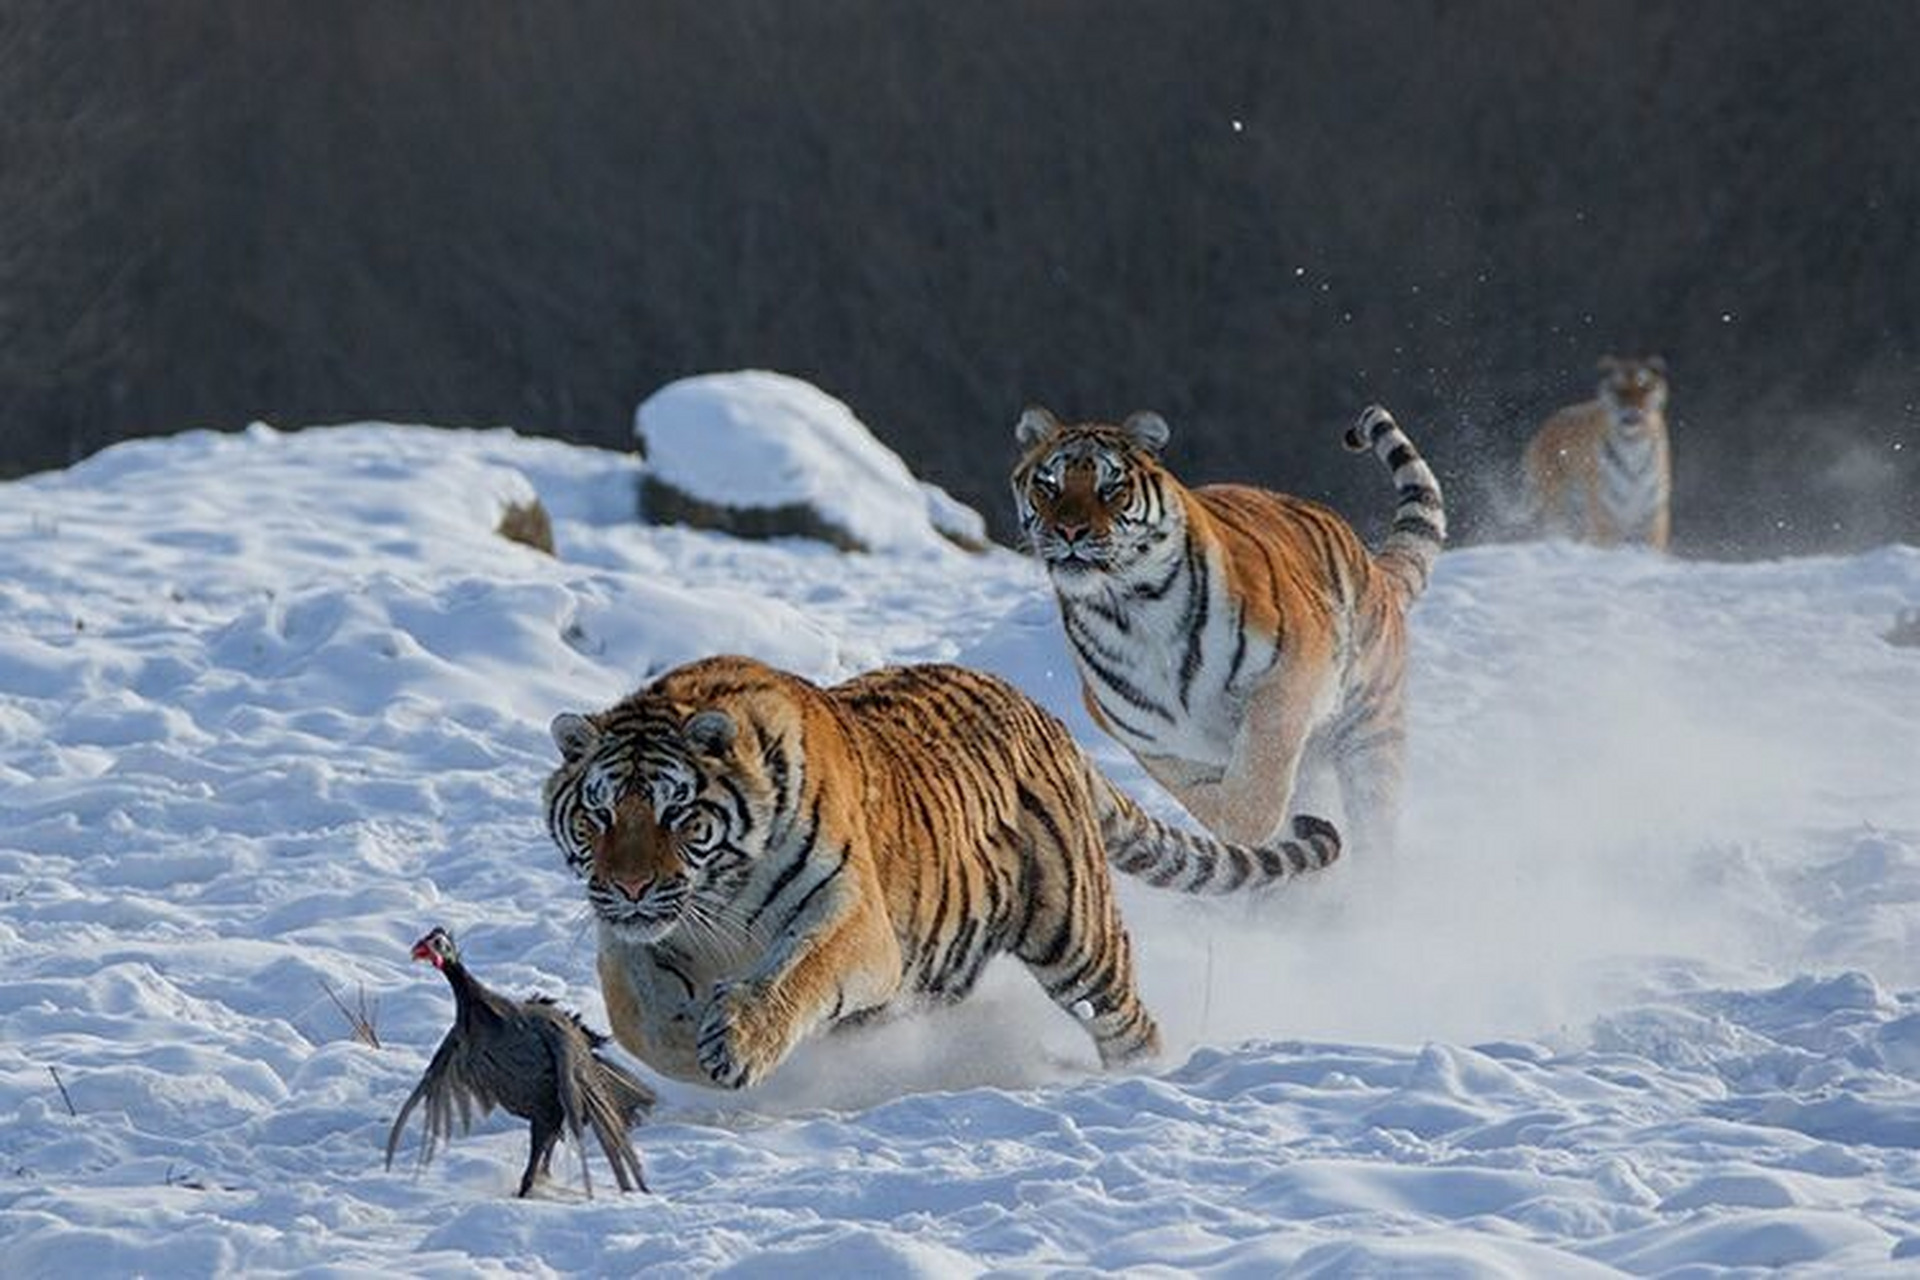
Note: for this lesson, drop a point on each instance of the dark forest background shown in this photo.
(1251, 216)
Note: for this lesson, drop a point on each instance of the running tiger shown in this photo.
(1226, 634)
(766, 858)
(1600, 470)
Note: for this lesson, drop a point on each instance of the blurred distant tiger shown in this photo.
(1599, 470)
(1230, 637)
(766, 858)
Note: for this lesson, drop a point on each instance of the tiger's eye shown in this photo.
(698, 835)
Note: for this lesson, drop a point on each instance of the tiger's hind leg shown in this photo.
(1072, 941)
(1370, 768)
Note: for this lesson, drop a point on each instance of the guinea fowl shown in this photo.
(532, 1059)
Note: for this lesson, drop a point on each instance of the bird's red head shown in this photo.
(436, 948)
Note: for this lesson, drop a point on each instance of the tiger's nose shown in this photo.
(1074, 532)
(633, 888)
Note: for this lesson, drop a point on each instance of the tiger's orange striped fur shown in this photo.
(1229, 636)
(1602, 470)
(766, 858)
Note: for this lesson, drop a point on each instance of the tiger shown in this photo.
(766, 858)
(1233, 638)
(1601, 470)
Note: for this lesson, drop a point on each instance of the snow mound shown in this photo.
(765, 455)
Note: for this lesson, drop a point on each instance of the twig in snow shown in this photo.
(360, 1017)
(64, 1095)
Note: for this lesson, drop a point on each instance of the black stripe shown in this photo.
(1065, 982)
(1125, 689)
(1419, 526)
(738, 796)
(1057, 945)
(1239, 866)
(1163, 876)
(996, 899)
(1024, 884)
(793, 867)
(971, 975)
(1198, 606)
(685, 981)
(1239, 643)
(1159, 590)
(794, 913)
(958, 950)
(1056, 948)
(1040, 813)
(936, 926)
(1198, 855)
(1083, 637)
(1401, 454)
(1118, 621)
(775, 757)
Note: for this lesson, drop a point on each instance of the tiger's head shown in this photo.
(1634, 391)
(1093, 498)
(659, 810)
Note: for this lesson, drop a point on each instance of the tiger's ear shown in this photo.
(1658, 364)
(1035, 425)
(711, 733)
(573, 734)
(1608, 364)
(1147, 429)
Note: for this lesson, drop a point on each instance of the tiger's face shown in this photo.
(1634, 391)
(1091, 497)
(657, 812)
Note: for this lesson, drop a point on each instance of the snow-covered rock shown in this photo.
(765, 455)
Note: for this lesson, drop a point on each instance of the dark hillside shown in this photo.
(1250, 216)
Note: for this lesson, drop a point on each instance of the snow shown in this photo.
(754, 438)
(1640, 993)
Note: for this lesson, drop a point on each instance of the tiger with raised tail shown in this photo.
(1602, 470)
(1230, 637)
(766, 858)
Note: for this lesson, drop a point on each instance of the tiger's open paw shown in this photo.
(742, 1035)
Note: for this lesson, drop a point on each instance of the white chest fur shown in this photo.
(1632, 474)
(1163, 649)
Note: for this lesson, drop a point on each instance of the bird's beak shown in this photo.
(422, 951)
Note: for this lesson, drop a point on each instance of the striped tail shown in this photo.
(1170, 857)
(1420, 519)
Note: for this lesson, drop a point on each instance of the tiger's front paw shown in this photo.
(742, 1035)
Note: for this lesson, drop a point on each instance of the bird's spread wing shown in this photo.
(592, 1097)
(610, 1119)
(629, 1093)
(446, 1091)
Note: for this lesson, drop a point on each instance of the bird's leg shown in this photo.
(546, 1132)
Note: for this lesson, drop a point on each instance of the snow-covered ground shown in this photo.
(1641, 992)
